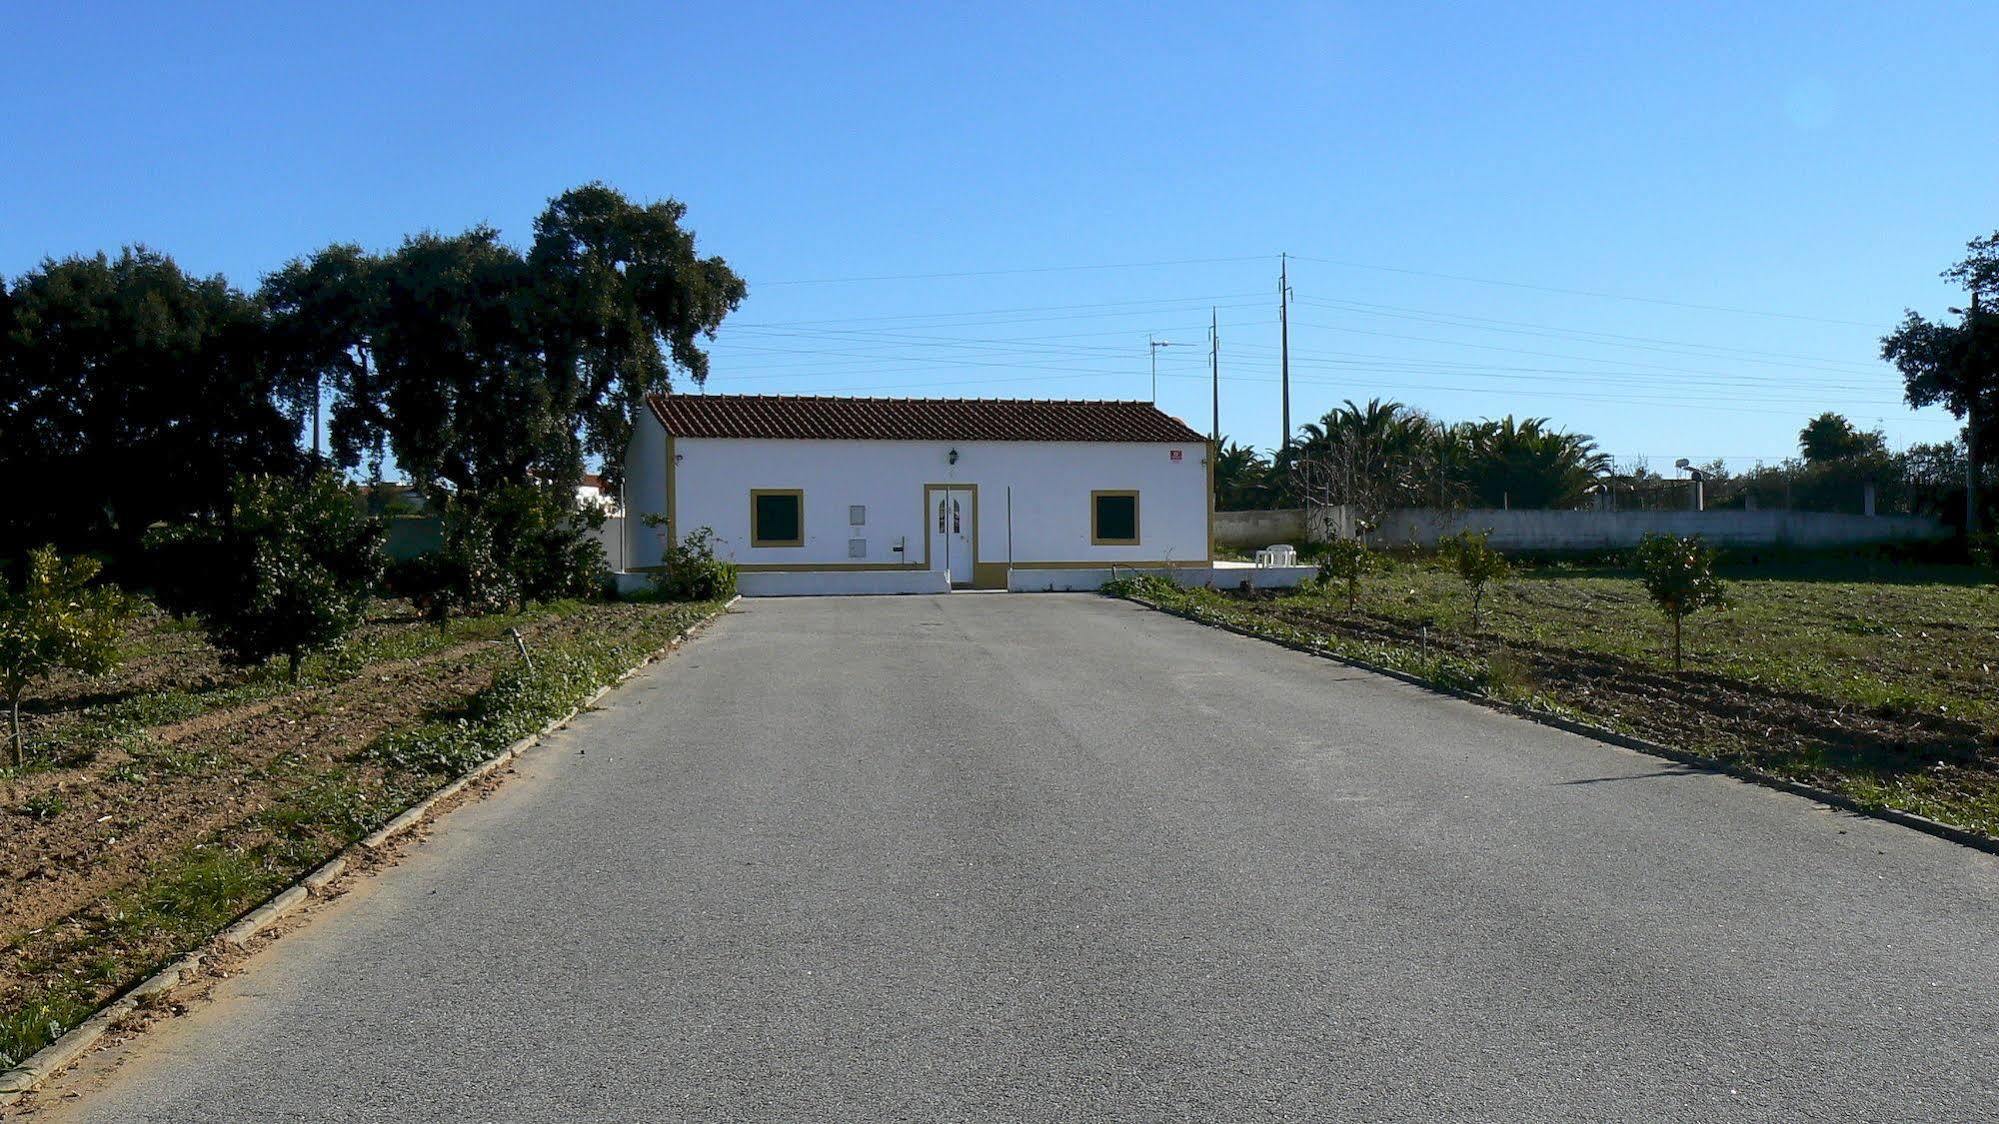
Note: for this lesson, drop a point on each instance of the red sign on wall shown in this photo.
(1174, 454)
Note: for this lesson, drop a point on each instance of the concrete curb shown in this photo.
(25, 1078)
(44, 1065)
(266, 915)
(1825, 796)
(50, 1060)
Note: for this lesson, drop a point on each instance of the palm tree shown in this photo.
(1368, 458)
(1524, 463)
(1242, 478)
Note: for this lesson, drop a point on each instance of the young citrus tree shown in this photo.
(290, 572)
(1679, 575)
(1343, 565)
(1470, 553)
(57, 622)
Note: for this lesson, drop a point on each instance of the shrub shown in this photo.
(1470, 553)
(1679, 575)
(691, 572)
(1136, 583)
(56, 622)
(516, 545)
(1343, 563)
(464, 574)
(290, 571)
(542, 538)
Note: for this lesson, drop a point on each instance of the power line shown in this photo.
(1680, 403)
(1604, 339)
(1523, 351)
(1014, 272)
(1156, 302)
(1343, 359)
(1589, 293)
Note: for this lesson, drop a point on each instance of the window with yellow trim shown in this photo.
(1114, 518)
(777, 517)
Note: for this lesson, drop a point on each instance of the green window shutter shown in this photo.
(778, 519)
(1115, 518)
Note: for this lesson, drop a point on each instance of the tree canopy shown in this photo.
(624, 299)
(1831, 437)
(1526, 463)
(1242, 477)
(1385, 455)
(479, 366)
(1956, 364)
(130, 392)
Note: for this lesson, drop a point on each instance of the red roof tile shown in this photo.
(806, 417)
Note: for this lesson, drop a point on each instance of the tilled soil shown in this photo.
(1807, 734)
(206, 779)
(203, 774)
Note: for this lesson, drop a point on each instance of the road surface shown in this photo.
(988, 857)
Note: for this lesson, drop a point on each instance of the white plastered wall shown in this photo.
(1051, 484)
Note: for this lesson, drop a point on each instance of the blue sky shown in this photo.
(1460, 184)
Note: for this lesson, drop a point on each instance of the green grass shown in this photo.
(521, 700)
(1906, 646)
(32, 1026)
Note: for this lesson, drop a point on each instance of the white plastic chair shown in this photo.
(1278, 555)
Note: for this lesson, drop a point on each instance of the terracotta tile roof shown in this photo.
(915, 419)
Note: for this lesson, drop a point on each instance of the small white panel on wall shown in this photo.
(857, 515)
(857, 548)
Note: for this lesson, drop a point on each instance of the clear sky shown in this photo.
(1460, 185)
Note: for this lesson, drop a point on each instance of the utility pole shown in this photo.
(1284, 340)
(1215, 373)
(1154, 345)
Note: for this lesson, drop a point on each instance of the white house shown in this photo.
(850, 495)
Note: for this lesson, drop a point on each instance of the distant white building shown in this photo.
(848, 495)
(593, 493)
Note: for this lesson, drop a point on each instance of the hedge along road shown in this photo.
(1057, 857)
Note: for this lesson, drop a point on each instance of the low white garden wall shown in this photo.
(827, 583)
(1221, 577)
(1621, 530)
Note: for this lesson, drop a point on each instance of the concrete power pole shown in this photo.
(1284, 340)
(1215, 374)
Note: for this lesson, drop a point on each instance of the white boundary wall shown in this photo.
(1074, 580)
(1254, 530)
(1621, 530)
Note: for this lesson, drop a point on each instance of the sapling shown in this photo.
(1679, 575)
(57, 622)
(1477, 565)
(1344, 564)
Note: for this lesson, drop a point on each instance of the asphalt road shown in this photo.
(987, 857)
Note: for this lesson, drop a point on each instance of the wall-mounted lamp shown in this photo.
(678, 457)
(952, 458)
